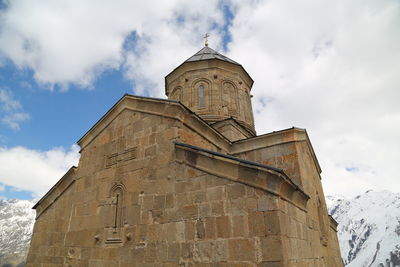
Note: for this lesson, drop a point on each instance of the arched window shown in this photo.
(201, 96)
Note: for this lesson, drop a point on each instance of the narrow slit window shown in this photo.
(201, 96)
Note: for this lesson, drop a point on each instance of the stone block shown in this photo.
(169, 200)
(271, 248)
(198, 196)
(170, 231)
(204, 210)
(223, 226)
(186, 251)
(256, 224)
(162, 251)
(239, 226)
(210, 227)
(173, 252)
(200, 229)
(267, 203)
(217, 208)
(241, 250)
(272, 222)
(133, 214)
(209, 251)
(159, 202)
(188, 212)
(215, 193)
(190, 230)
(235, 191)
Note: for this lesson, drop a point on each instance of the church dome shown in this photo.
(214, 87)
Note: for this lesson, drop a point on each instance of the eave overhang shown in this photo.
(269, 179)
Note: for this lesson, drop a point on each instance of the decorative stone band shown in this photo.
(269, 179)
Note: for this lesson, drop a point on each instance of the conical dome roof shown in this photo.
(207, 53)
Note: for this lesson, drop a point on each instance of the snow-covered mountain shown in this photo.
(369, 228)
(16, 223)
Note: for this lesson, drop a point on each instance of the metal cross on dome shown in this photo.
(206, 39)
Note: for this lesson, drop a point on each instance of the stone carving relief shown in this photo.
(125, 155)
(115, 213)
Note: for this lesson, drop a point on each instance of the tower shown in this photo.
(217, 89)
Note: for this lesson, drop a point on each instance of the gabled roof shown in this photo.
(207, 53)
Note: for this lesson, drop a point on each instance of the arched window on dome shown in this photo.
(201, 96)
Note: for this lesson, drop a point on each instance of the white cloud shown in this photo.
(14, 119)
(11, 112)
(168, 42)
(35, 171)
(74, 41)
(8, 103)
(333, 68)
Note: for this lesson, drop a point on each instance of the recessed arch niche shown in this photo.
(201, 92)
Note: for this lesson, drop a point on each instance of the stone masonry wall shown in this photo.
(170, 214)
(122, 156)
(132, 203)
(309, 239)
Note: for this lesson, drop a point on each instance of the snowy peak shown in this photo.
(369, 228)
(16, 223)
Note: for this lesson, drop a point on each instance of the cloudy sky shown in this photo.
(332, 67)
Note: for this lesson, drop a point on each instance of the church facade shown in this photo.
(185, 181)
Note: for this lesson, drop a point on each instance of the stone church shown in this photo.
(185, 181)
